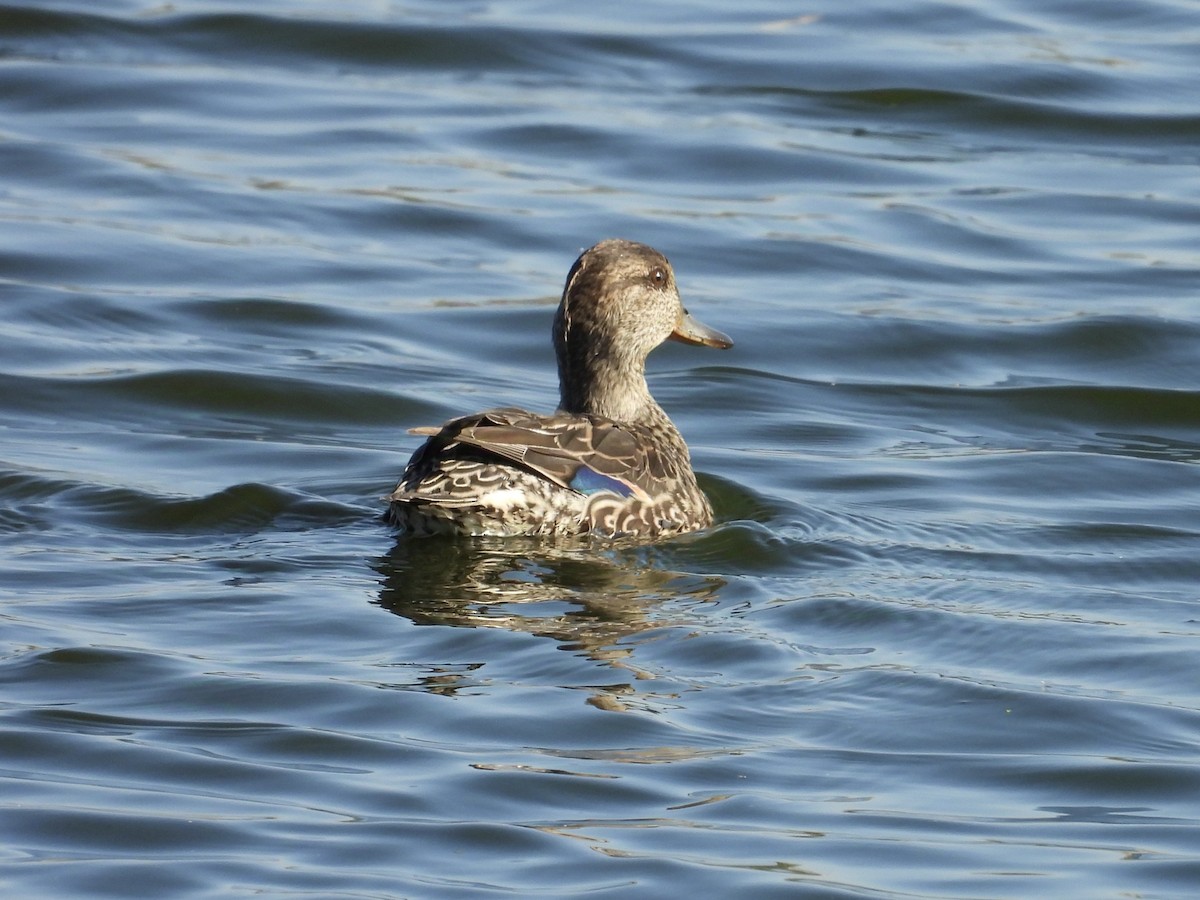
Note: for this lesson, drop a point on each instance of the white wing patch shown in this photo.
(505, 499)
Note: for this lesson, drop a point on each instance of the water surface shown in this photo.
(942, 640)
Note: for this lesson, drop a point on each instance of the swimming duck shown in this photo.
(609, 461)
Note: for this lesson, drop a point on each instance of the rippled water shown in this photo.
(943, 639)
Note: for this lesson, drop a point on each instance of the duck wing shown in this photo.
(582, 453)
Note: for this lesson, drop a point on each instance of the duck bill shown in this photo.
(690, 331)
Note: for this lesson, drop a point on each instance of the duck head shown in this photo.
(620, 301)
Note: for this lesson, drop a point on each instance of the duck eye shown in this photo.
(658, 276)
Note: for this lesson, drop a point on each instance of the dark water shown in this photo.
(943, 640)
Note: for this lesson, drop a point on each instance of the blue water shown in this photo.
(942, 641)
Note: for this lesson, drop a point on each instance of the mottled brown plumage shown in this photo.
(609, 461)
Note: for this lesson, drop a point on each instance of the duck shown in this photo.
(608, 462)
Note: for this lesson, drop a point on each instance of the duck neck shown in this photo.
(606, 385)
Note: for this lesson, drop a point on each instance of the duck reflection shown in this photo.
(585, 598)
